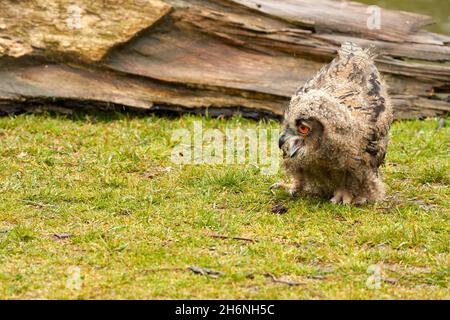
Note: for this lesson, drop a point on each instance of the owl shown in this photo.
(335, 131)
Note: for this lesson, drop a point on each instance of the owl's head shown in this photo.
(311, 123)
(301, 138)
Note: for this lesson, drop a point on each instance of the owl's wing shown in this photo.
(354, 81)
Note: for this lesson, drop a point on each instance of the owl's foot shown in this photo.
(346, 197)
(360, 200)
(292, 189)
(342, 196)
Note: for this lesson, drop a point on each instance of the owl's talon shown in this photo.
(274, 186)
(277, 185)
(292, 190)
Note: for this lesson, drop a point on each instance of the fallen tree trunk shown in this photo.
(236, 55)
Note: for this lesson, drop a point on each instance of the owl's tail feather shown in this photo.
(372, 51)
(351, 49)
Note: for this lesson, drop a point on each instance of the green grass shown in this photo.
(136, 226)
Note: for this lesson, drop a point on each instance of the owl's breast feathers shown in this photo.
(353, 80)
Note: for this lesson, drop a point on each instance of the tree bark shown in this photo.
(245, 56)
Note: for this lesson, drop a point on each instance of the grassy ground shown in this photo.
(136, 225)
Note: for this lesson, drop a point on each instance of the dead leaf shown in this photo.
(279, 209)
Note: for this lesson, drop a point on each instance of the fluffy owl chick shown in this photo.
(335, 131)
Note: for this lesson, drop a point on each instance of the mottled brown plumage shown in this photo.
(335, 130)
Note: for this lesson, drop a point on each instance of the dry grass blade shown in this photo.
(219, 236)
(282, 281)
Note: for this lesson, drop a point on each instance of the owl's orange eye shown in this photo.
(303, 130)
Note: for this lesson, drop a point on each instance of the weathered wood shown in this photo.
(224, 55)
(341, 16)
(86, 28)
(76, 83)
(183, 56)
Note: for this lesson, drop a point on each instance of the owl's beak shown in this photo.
(293, 141)
(293, 150)
(282, 139)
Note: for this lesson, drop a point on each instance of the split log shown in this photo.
(226, 55)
